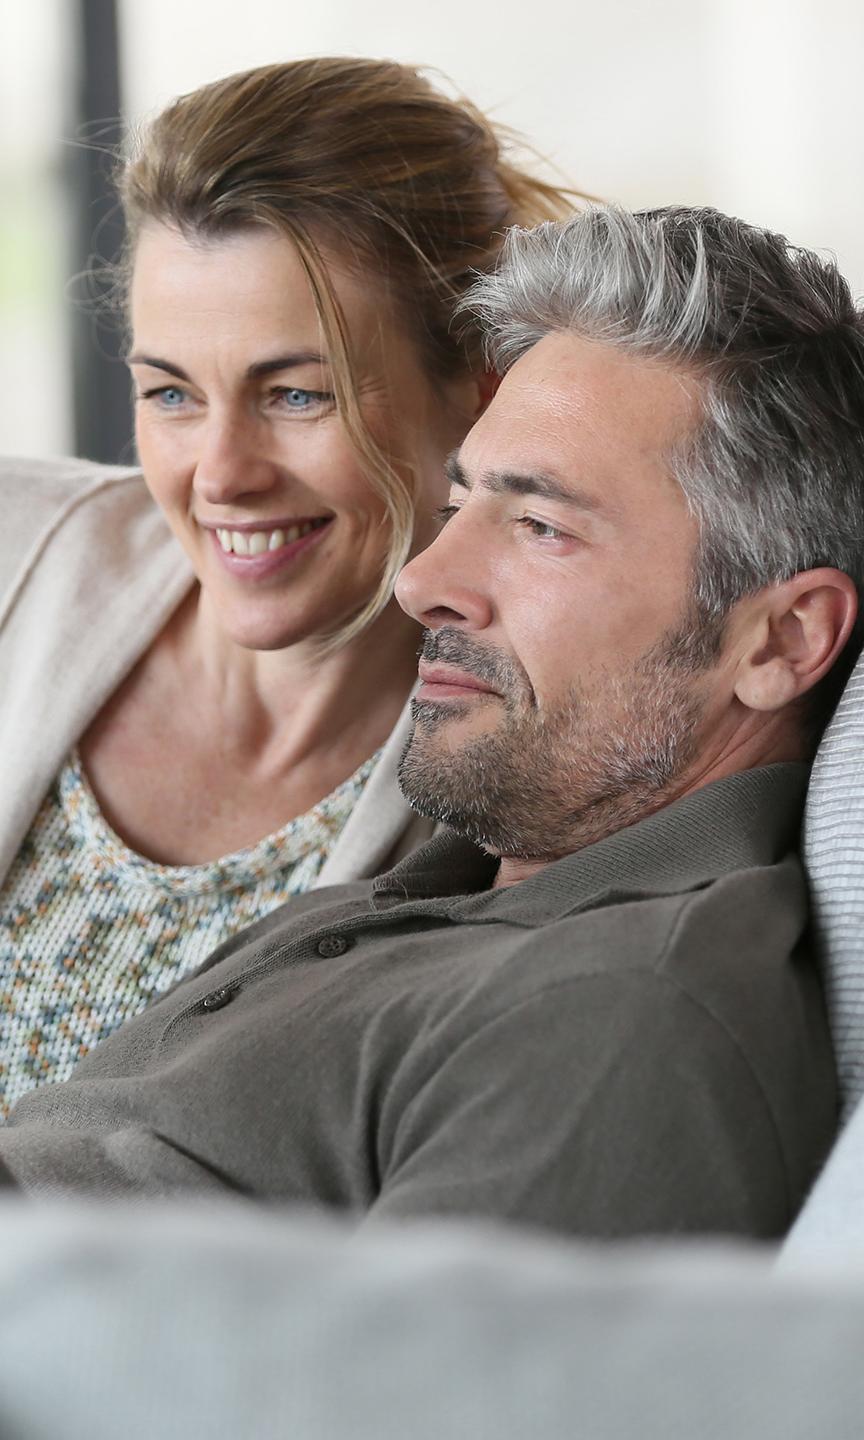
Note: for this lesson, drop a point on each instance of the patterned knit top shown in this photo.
(90, 931)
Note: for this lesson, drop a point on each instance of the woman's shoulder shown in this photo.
(35, 490)
(39, 495)
(43, 500)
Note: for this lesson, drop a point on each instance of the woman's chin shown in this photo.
(253, 628)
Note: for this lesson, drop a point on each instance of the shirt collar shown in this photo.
(749, 819)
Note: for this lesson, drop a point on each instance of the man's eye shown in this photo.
(541, 528)
(445, 513)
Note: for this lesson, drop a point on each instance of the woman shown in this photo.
(204, 717)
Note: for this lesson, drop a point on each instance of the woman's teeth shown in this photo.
(255, 542)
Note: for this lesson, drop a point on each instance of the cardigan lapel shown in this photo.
(96, 588)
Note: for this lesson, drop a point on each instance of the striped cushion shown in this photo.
(834, 853)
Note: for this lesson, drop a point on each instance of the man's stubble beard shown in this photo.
(542, 786)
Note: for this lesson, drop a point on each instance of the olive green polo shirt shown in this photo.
(631, 1041)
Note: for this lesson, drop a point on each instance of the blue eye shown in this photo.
(293, 397)
(172, 396)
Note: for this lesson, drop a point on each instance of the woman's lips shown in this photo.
(255, 551)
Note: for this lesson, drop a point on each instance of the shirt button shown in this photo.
(332, 945)
(218, 998)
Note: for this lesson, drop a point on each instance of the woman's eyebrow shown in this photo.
(289, 361)
(285, 362)
(156, 364)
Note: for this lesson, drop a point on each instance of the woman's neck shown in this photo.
(290, 703)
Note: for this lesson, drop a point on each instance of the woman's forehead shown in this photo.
(258, 273)
(242, 298)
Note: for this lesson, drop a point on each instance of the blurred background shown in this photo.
(755, 106)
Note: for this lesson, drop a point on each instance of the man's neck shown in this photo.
(767, 744)
(511, 871)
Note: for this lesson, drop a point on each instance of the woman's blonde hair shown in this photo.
(368, 155)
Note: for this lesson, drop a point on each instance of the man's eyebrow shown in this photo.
(515, 482)
(454, 472)
(261, 368)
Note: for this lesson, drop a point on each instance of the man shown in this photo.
(593, 1007)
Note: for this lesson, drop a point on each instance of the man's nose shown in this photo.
(232, 461)
(444, 585)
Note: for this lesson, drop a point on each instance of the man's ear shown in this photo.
(797, 630)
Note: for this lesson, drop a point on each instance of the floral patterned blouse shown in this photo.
(90, 931)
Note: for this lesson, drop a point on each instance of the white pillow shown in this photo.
(834, 856)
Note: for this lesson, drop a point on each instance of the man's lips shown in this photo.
(441, 681)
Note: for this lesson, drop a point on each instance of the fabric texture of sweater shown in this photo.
(91, 932)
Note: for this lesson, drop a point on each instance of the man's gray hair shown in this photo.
(775, 473)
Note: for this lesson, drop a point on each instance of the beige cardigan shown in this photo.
(89, 574)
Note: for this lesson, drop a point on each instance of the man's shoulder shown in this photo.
(745, 919)
(746, 923)
(680, 1033)
(716, 927)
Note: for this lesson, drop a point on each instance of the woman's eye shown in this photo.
(294, 398)
(170, 397)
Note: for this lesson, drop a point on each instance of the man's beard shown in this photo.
(540, 786)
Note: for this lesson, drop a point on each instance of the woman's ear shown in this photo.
(798, 629)
(471, 394)
(487, 384)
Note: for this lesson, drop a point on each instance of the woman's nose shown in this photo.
(232, 462)
(444, 584)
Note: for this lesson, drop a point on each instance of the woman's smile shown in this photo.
(252, 554)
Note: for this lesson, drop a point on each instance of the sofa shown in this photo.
(230, 1323)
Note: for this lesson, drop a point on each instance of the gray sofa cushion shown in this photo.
(233, 1322)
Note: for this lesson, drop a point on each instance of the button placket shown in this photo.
(218, 999)
(330, 946)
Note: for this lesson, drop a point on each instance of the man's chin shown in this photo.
(424, 763)
(450, 723)
(437, 778)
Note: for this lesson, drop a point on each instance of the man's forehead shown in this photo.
(572, 400)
